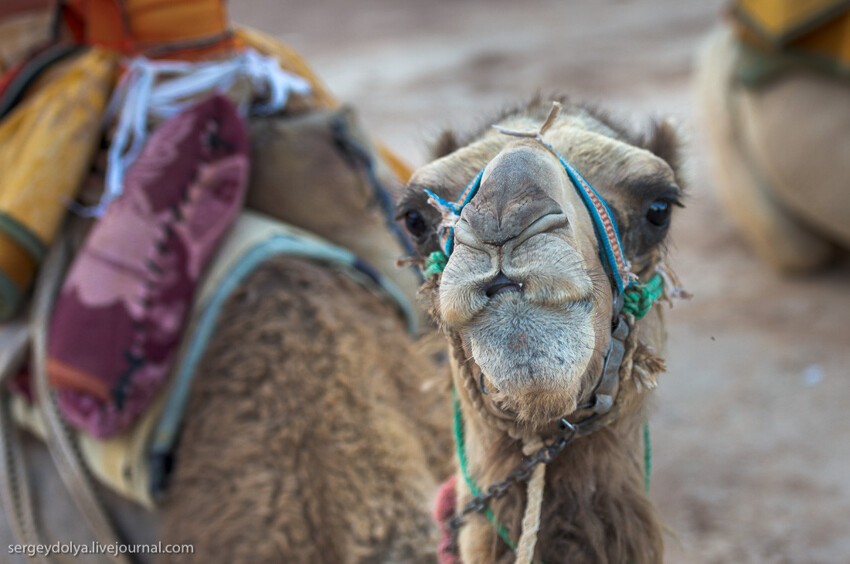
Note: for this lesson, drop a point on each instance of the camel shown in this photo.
(779, 156)
(310, 438)
(308, 435)
(521, 292)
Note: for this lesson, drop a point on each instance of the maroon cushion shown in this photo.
(123, 307)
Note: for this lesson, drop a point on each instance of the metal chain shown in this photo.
(522, 473)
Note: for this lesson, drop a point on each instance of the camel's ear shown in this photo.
(663, 140)
(446, 144)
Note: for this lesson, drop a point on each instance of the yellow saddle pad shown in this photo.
(815, 32)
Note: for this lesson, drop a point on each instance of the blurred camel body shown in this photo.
(781, 156)
(308, 436)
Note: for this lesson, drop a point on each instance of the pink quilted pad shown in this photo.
(124, 304)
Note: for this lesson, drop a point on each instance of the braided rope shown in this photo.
(533, 506)
(639, 297)
(471, 387)
(435, 263)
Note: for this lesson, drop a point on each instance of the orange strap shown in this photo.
(185, 29)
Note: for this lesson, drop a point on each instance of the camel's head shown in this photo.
(525, 292)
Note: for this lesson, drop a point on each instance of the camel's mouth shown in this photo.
(502, 285)
(529, 314)
(532, 357)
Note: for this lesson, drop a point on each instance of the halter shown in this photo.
(629, 297)
(610, 251)
(604, 225)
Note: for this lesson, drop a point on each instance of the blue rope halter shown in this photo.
(604, 225)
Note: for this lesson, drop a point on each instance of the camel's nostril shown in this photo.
(501, 284)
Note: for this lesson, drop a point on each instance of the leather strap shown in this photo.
(60, 441)
(15, 490)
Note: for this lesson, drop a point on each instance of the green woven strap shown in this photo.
(638, 298)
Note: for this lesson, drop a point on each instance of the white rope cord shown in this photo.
(533, 505)
(162, 89)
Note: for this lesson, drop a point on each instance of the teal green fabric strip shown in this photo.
(755, 69)
(22, 234)
(11, 298)
(815, 21)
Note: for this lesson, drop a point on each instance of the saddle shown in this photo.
(778, 35)
(130, 451)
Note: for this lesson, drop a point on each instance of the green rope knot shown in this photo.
(638, 298)
(435, 264)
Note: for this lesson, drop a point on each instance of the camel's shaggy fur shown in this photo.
(309, 438)
(594, 508)
(780, 156)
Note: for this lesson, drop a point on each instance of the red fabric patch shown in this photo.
(444, 510)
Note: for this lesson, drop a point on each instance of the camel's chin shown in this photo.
(534, 357)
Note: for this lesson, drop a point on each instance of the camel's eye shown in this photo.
(659, 213)
(415, 223)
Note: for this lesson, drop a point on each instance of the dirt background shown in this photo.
(751, 434)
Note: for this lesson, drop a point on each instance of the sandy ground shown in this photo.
(751, 436)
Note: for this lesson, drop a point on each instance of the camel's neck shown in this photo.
(594, 509)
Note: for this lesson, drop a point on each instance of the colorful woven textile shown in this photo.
(123, 306)
(58, 123)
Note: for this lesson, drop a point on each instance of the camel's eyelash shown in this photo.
(415, 198)
(674, 198)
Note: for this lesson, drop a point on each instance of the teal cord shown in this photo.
(460, 446)
(435, 264)
(638, 298)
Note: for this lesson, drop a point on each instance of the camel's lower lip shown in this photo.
(525, 347)
(509, 294)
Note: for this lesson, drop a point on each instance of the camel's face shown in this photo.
(524, 287)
